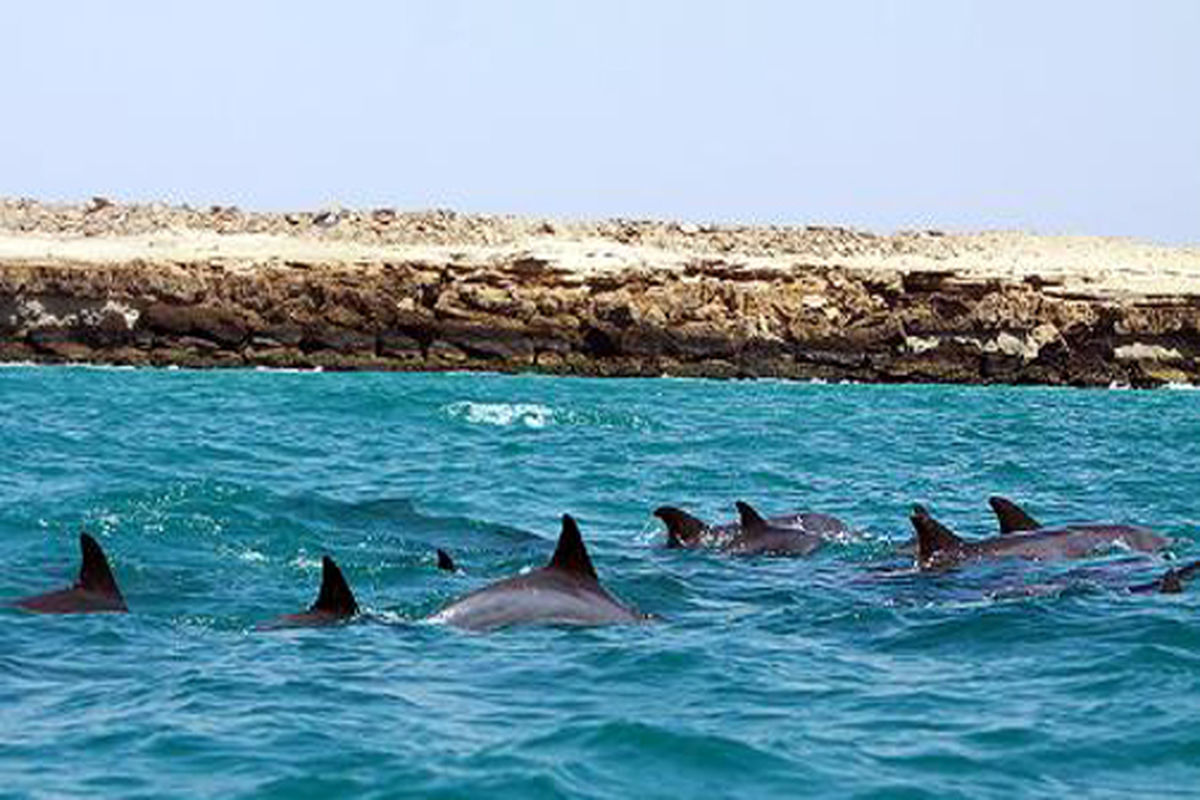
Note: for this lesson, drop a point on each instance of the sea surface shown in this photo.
(842, 675)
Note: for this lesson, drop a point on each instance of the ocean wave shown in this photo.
(535, 416)
(290, 370)
(847, 674)
(504, 415)
(252, 556)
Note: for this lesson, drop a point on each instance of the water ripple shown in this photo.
(844, 675)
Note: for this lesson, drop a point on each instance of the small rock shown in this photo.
(814, 301)
(98, 204)
(328, 218)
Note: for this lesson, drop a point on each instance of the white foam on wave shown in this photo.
(389, 617)
(306, 562)
(652, 531)
(504, 415)
(290, 370)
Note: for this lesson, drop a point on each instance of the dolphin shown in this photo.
(445, 562)
(335, 602)
(94, 591)
(761, 537)
(566, 591)
(793, 534)
(939, 547)
(1014, 519)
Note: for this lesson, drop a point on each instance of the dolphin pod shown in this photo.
(793, 534)
(567, 590)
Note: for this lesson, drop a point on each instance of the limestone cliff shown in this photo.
(437, 290)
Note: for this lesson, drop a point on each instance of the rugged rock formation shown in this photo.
(442, 291)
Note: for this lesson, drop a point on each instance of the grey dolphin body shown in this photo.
(1013, 520)
(759, 536)
(335, 602)
(938, 547)
(95, 591)
(791, 534)
(566, 591)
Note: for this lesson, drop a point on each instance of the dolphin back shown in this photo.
(95, 590)
(564, 592)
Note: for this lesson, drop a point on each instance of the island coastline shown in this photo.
(157, 285)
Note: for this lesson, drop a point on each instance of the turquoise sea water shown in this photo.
(215, 494)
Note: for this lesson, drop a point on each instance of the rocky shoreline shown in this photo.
(384, 290)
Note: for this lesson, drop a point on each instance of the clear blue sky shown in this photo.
(1053, 116)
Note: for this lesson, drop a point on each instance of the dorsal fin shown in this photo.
(1172, 582)
(1012, 517)
(750, 518)
(932, 536)
(682, 528)
(570, 555)
(335, 596)
(445, 561)
(94, 573)
(1185, 572)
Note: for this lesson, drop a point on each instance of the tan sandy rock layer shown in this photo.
(152, 284)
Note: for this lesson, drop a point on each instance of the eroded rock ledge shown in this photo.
(371, 291)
